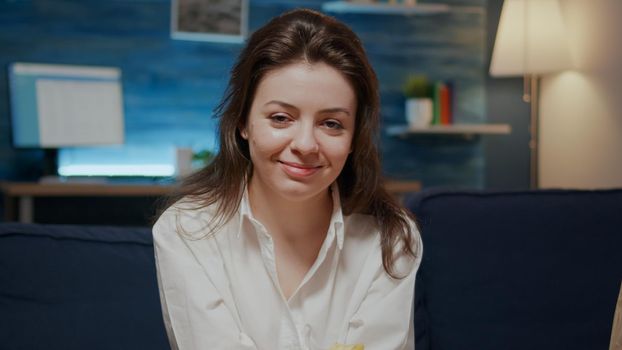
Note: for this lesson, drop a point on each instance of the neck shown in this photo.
(291, 220)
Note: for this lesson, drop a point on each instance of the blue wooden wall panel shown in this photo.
(171, 87)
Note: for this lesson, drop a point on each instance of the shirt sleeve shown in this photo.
(195, 313)
(384, 320)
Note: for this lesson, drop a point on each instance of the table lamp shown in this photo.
(531, 41)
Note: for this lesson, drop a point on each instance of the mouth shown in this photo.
(299, 170)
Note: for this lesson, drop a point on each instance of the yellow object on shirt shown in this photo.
(348, 347)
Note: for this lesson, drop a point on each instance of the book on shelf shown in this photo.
(436, 102)
(443, 103)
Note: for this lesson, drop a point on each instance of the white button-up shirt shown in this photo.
(221, 291)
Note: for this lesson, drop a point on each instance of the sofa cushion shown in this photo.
(78, 287)
(518, 270)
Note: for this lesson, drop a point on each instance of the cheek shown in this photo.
(338, 150)
(265, 141)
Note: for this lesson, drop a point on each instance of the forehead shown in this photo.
(305, 84)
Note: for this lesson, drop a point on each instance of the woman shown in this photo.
(287, 240)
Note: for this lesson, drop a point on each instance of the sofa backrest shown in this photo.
(78, 287)
(518, 270)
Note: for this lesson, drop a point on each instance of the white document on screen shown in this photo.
(76, 112)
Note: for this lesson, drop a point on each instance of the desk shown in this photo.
(399, 188)
(25, 192)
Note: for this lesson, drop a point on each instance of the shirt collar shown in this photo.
(336, 220)
(245, 206)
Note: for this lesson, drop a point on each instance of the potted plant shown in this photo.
(419, 104)
(189, 161)
(202, 158)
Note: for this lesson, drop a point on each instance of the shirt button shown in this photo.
(356, 322)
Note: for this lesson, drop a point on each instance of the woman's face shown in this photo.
(299, 130)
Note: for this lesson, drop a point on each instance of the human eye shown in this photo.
(279, 119)
(333, 124)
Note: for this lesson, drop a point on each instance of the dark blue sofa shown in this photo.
(78, 287)
(518, 270)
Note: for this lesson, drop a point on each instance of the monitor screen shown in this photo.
(55, 106)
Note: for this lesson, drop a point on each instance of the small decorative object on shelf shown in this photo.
(183, 161)
(188, 161)
(419, 103)
(428, 103)
(202, 158)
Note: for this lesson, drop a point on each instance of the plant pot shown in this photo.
(419, 111)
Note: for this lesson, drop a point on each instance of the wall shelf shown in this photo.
(384, 8)
(454, 129)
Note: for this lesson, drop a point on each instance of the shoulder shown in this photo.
(366, 226)
(360, 223)
(406, 263)
(187, 218)
(364, 231)
(415, 236)
(361, 233)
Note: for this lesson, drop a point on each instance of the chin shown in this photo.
(299, 191)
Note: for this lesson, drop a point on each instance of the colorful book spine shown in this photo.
(452, 101)
(436, 114)
(445, 104)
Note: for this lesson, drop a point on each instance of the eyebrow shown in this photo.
(326, 110)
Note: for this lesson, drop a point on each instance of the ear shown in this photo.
(243, 132)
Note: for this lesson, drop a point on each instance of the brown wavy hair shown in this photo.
(309, 36)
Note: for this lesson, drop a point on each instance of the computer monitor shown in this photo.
(57, 106)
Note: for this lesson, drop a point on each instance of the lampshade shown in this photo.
(530, 39)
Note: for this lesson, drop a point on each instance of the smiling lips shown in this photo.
(299, 170)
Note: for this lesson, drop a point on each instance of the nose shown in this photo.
(305, 141)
